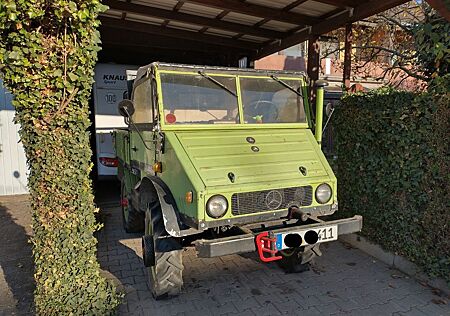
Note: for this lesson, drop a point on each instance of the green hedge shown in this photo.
(48, 50)
(393, 168)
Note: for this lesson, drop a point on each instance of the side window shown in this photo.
(142, 100)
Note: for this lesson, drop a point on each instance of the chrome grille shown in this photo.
(270, 200)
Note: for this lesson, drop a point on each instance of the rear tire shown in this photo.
(165, 277)
(132, 219)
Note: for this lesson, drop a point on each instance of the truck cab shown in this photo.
(224, 160)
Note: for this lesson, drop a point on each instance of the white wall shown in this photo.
(13, 169)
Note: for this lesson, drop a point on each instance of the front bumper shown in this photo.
(246, 241)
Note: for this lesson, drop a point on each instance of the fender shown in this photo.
(153, 187)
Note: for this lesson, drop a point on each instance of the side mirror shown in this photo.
(126, 108)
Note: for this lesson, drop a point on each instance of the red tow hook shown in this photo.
(266, 243)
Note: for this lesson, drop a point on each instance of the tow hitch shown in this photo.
(266, 243)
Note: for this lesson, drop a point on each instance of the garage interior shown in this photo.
(222, 32)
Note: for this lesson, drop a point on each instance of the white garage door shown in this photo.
(13, 169)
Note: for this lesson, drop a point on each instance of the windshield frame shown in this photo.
(241, 124)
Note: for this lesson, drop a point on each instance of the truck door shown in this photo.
(142, 147)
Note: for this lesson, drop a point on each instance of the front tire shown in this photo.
(165, 277)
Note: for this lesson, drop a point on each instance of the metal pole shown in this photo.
(319, 114)
(320, 85)
(348, 56)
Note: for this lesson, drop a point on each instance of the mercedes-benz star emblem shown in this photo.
(273, 200)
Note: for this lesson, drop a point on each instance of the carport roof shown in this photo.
(253, 28)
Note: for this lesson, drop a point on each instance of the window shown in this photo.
(142, 101)
(266, 100)
(199, 99)
(329, 48)
(298, 50)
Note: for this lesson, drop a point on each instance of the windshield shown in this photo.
(199, 99)
(204, 98)
(270, 100)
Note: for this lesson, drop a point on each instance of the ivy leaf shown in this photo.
(57, 73)
(72, 76)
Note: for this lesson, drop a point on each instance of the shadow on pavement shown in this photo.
(16, 261)
(107, 193)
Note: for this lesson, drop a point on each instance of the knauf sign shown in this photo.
(111, 76)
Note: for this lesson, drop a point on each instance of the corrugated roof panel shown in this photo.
(214, 31)
(145, 19)
(186, 26)
(313, 8)
(255, 39)
(241, 18)
(279, 4)
(218, 35)
(112, 13)
(163, 4)
(278, 26)
(174, 25)
(200, 10)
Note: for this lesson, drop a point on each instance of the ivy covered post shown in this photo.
(48, 49)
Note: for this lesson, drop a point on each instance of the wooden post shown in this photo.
(347, 56)
(312, 66)
(313, 58)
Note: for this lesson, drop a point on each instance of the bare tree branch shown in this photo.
(381, 48)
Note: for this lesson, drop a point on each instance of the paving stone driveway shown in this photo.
(343, 281)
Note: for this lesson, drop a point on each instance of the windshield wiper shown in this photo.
(283, 83)
(201, 73)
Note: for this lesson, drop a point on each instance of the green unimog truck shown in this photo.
(224, 160)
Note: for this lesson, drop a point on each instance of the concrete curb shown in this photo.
(400, 263)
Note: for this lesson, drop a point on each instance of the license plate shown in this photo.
(324, 234)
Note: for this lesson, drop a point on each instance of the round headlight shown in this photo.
(217, 206)
(323, 193)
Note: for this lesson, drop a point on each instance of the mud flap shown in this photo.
(171, 219)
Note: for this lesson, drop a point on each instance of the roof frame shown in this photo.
(145, 40)
(175, 33)
(164, 36)
(149, 11)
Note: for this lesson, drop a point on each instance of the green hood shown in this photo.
(276, 154)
